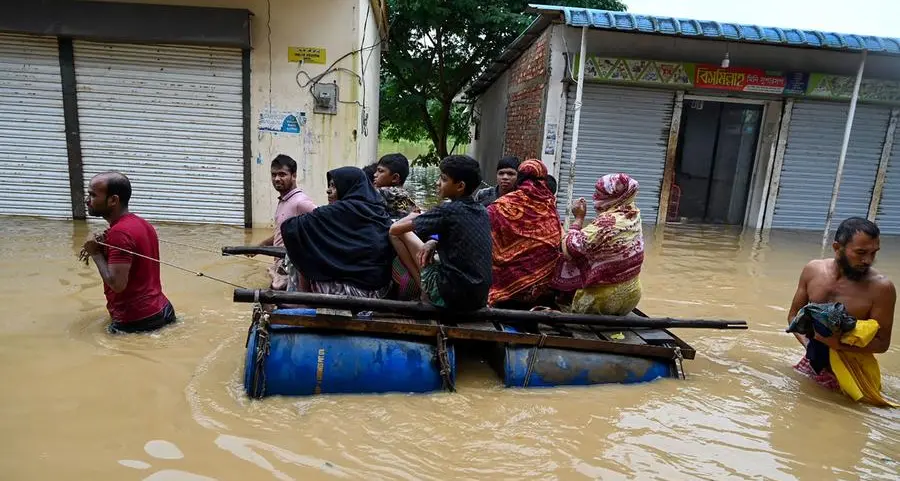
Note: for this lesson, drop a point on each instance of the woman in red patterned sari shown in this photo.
(526, 237)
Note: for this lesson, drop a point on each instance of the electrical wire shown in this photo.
(312, 81)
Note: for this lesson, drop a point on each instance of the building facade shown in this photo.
(720, 123)
(190, 98)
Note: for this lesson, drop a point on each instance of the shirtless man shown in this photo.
(849, 279)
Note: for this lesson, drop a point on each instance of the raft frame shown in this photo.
(647, 343)
(655, 343)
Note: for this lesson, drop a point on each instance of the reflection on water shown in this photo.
(80, 404)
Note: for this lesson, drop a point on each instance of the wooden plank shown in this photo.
(655, 336)
(778, 164)
(387, 326)
(549, 330)
(624, 336)
(479, 326)
(581, 332)
(671, 157)
(886, 150)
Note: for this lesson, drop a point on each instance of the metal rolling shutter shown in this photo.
(888, 218)
(810, 163)
(169, 117)
(34, 166)
(622, 130)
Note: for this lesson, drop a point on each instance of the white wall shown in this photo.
(370, 68)
(555, 109)
(327, 141)
(487, 149)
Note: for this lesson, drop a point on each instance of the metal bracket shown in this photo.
(679, 363)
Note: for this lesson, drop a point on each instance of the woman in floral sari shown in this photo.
(601, 261)
(526, 236)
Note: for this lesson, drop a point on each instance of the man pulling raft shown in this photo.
(125, 258)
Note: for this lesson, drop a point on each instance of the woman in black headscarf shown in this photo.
(343, 248)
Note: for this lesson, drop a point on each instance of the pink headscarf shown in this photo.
(613, 191)
(609, 250)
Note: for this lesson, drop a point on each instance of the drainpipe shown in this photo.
(844, 145)
(576, 124)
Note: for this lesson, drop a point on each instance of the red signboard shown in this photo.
(738, 79)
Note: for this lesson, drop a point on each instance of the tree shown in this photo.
(436, 48)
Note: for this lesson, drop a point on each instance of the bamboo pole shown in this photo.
(844, 145)
(246, 250)
(576, 124)
(422, 311)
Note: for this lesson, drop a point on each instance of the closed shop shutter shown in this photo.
(810, 163)
(169, 117)
(623, 129)
(888, 218)
(34, 166)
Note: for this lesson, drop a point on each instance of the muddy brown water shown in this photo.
(79, 404)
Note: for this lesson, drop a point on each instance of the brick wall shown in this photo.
(527, 98)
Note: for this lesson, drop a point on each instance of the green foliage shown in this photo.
(436, 48)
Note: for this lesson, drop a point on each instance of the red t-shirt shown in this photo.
(143, 296)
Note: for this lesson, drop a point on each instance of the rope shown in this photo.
(258, 381)
(254, 320)
(533, 358)
(196, 273)
(204, 249)
(443, 358)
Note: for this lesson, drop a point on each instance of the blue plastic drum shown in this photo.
(563, 367)
(303, 363)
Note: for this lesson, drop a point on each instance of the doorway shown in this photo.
(714, 161)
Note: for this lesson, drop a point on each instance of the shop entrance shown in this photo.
(715, 158)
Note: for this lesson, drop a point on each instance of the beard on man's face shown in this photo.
(857, 273)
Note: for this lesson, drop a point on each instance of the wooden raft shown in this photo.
(654, 343)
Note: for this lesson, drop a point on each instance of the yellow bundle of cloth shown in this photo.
(858, 373)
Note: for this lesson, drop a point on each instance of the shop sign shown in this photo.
(685, 75)
(646, 72)
(840, 87)
(739, 80)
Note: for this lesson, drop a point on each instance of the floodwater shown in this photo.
(80, 404)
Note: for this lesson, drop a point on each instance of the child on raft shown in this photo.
(460, 278)
(390, 176)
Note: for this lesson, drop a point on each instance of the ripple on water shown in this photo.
(742, 413)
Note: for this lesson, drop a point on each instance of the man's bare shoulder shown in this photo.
(881, 282)
(817, 267)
